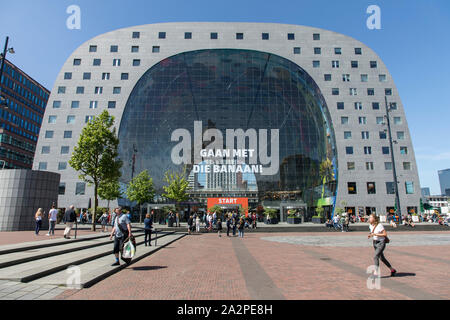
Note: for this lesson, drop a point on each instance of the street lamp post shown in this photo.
(5, 51)
(394, 171)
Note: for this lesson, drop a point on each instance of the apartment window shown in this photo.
(297, 50)
(62, 189)
(337, 51)
(67, 75)
(367, 150)
(365, 135)
(49, 134)
(388, 92)
(397, 120)
(316, 36)
(97, 62)
(335, 91)
(358, 106)
(407, 166)
(369, 166)
(354, 64)
(52, 119)
(76, 62)
(335, 64)
(351, 187)
(67, 134)
(327, 77)
(291, 36)
(45, 150)
(75, 104)
(404, 150)
(388, 166)
(375, 106)
(136, 62)
(65, 150)
(362, 120)
(116, 62)
(385, 150)
(353, 92)
(214, 36)
(106, 76)
(70, 119)
(87, 76)
(393, 106)
(347, 135)
(265, 36)
(382, 78)
(317, 50)
(80, 188)
(111, 104)
(344, 120)
(98, 90)
(117, 90)
(370, 92)
(136, 35)
(316, 64)
(409, 186)
(62, 90)
(346, 77)
(124, 76)
(114, 48)
(358, 51)
(350, 166)
(88, 119)
(92, 48)
(80, 90)
(390, 188)
(380, 120)
(373, 64)
(161, 35)
(400, 135)
(364, 78)
(371, 188)
(349, 150)
(93, 104)
(56, 104)
(239, 36)
(62, 165)
(42, 165)
(383, 135)
(340, 106)
(188, 35)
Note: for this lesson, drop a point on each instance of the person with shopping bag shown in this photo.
(121, 231)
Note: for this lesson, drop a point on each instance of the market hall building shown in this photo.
(315, 99)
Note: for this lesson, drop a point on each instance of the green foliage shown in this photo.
(339, 210)
(141, 189)
(109, 190)
(176, 187)
(273, 213)
(320, 211)
(217, 209)
(326, 170)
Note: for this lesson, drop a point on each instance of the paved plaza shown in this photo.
(282, 266)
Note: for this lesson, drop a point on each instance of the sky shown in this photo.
(413, 42)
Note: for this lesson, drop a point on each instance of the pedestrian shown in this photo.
(69, 218)
(103, 221)
(197, 224)
(241, 227)
(190, 224)
(148, 225)
(379, 235)
(219, 228)
(52, 217)
(234, 225)
(38, 219)
(121, 231)
(228, 225)
(177, 219)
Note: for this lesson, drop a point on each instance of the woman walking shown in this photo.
(241, 227)
(197, 224)
(379, 235)
(38, 218)
(219, 228)
(148, 225)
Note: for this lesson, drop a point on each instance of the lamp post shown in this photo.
(3, 56)
(394, 171)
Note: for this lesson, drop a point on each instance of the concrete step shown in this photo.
(96, 270)
(28, 271)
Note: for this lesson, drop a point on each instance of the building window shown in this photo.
(114, 48)
(161, 35)
(370, 92)
(383, 135)
(67, 75)
(346, 77)
(362, 120)
(350, 166)
(80, 188)
(385, 150)
(335, 91)
(316, 64)
(117, 90)
(398, 120)
(404, 150)
(49, 134)
(349, 150)
(52, 119)
(98, 90)
(188, 35)
(337, 50)
(364, 78)
(136, 35)
(353, 92)
(75, 104)
(351, 187)
(371, 188)
(62, 189)
(358, 106)
(400, 135)
(45, 150)
(335, 64)
(116, 62)
(70, 119)
(373, 64)
(388, 92)
(317, 50)
(388, 166)
(92, 48)
(393, 106)
(97, 62)
(354, 64)
(367, 150)
(340, 106)
(136, 62)
(67, 134)
(87, 76)
(76, 62)
(124, 76)
(291, 36)
(358, 51)
(42, 165)
(382, 78)
(111, 104)
(380, 120)
(214, 36)
(56, 104)
(375, 106)
(344, 120)
(369, 166)
(406, 166)
(62, 165)
(106, 76)
(239, 36)
(316, 36)
(347, 135)
(65, 150)
(62, 90)
(327, 77)
(297, 50)
(365, 135)
(265, 36)
(88, 119)
(80, 90)
(93, 104)
(409, 186)
(390, 188)
(155, 49)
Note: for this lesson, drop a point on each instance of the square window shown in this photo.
(335, 64)
(358, 106)
(67, 75)
(393, 106)
(87, 76)
(373, 64)
(297, 50)
(400, 135)
(375, 106)
(398, 120)
(347, 135)
(114, 48)
(62, 189)
(45, 150)
(117, 90)
(67, 134)
(161, 35)
(75, 104)
(335, 91)
(371, 188)
(49, 134)
(70, 119)
(92, 48)
(88, 118)
(364, 78)
(62, 165)
(239, 36)
(344, 120)
(327, 77)
(98, 90)
(214, 36)
(388, 92)
(188, 35)
(52, 119)
(316, 64)
(388, 166)
(265, 36)
(317, 50)
(380, 120)
(316, 36)
(404, 150)
(340, 106)
(382, 78)
(409, 186)
(351, 187)
(385, 150)
(116, 62)
(362, 120)
(80, 90)
(367, 150)
(156, 49)
(62, 90)
(358, 51)
(135, 49)
(369, 166)
(111, 104)
(390, 188)
(43, 166)
(383, 135)
(76, 62)
(106, 76)
(93, 104)
(80, 189)
(350, 166)
(365, 135)
(124, 76)
(56, 104)
(337, 51)
(346, 78)
(407, 166)
(136, 35)
(353, 92)
(354, 64)
(349, 150)
(291, 36)
(97, 62)
(370, 92)
(65, 150)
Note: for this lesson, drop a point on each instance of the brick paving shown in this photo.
(16, 237)
(10, 290)
(207, 267)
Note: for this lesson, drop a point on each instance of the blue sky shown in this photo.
(414, 44)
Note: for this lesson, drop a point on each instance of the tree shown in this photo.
(177, 185)
(95, 156)
(326, 173)
(141, 190)
(109, 190)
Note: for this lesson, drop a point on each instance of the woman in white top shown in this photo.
(38, 218)
(197, 223)
(379, 234)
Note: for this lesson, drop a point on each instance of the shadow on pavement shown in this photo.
(401, 275)
(148, 268)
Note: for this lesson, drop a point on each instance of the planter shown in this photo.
(272, 221)
(318, 220)
(294, 220)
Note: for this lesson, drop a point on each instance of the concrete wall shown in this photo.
(22, 192)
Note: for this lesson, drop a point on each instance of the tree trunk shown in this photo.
(94, 212)
(140, 214)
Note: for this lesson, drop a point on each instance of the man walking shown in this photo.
(69, 218)
(52, 217)
(121, 231)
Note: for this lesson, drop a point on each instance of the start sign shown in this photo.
(243, 202)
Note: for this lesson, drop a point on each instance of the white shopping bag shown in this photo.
(128, 250)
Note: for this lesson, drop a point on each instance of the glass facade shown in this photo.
(232, 89)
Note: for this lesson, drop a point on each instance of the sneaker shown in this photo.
(117, 263)
(48, 234)
(393, 272)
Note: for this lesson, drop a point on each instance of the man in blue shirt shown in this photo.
(121, 231)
